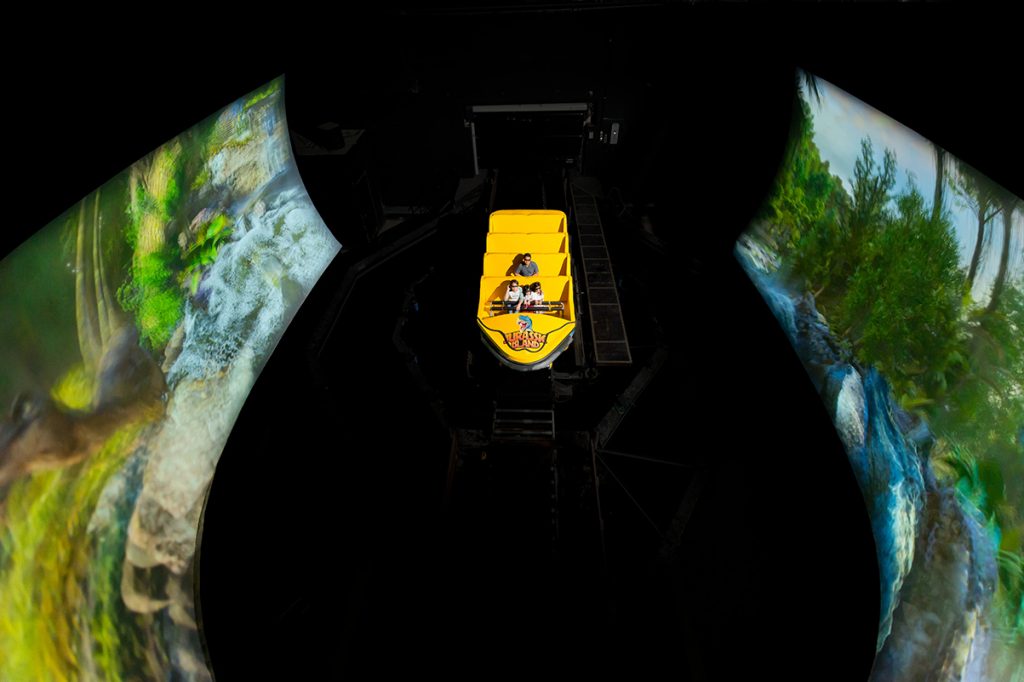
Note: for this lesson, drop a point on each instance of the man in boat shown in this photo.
(526, 267)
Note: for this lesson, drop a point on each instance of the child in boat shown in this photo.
(533, 297)
(513, 297)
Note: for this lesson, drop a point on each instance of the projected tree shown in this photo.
(909, 316)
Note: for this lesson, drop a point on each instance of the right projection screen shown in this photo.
(897, 272)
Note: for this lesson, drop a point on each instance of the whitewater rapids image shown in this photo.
(908, 315)
(126, 364)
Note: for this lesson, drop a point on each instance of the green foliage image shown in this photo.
(927, 288)
(124, 376)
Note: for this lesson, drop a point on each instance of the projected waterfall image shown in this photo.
(135, 325)
(897, 272)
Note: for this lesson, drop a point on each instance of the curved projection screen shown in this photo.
(897, 272)
(134, 326)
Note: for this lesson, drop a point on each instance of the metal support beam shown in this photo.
(552, 107)
(628, 398)
(656, 460)
(674, 537)
(597, 500)
(476, 163)
(630, 496)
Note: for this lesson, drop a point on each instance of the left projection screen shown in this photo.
(135, 325)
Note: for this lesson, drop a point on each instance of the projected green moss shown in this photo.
(135, 326)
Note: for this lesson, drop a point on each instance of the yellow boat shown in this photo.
(530, 338)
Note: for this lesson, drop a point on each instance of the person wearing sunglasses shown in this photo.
(527, 267)
(513, 297)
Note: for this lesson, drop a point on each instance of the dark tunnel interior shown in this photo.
(730, 538)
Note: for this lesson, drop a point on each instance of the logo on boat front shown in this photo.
(526, 338)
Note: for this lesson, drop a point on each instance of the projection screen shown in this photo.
(135, 326)
(897, 272)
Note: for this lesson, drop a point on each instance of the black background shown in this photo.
(784, 582)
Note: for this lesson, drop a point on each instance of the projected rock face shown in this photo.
(135, 325)
(896, 271)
